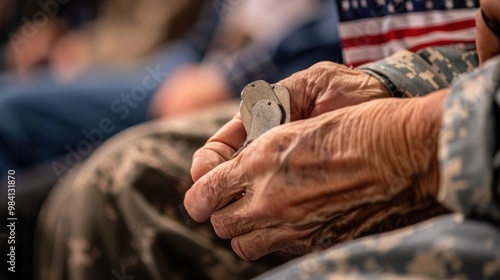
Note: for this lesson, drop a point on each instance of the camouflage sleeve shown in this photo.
(408, 74)
(468, 145)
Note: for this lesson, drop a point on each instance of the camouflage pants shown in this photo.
(117, 217)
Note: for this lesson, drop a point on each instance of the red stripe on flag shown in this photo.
(404, 33)
(419, 47)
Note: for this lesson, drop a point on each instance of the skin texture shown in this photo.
(189, 88)
(324, 87)
(339, 173)
(314, 183)
(487, 43)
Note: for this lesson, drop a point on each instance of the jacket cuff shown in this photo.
(407, 74)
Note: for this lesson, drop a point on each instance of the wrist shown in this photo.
(406, 140)
(422, 134)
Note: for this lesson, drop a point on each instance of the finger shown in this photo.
(215, 190)
(300, 92)
(239, 218)
(261, 242)
(233, 220)
(219, 148)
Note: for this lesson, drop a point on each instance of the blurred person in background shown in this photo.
(69, 36)
(30, 28)
(46, 114)
(46, 47)
(64, 70)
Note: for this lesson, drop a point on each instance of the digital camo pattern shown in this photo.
(464, 245)
(408, 74)
(447, 247)
(468, 143)
(118, 216)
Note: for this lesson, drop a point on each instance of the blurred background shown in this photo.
(74, 34)
(73, 73)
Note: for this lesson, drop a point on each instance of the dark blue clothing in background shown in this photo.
(44, 119)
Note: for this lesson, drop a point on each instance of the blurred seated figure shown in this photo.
(53, 121)
(29, 29)
(46, 117)
(69, 36)
(54, 48)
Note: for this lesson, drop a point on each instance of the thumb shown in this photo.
(219, 148)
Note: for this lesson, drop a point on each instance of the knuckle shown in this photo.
(211, 194)
(296, 83)
(241, 249)
(322, 65)
(323, 69)
(204, 160)
(198, 154)
(201, 201)
(221, 226)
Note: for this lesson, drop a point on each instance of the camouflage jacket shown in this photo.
(469, 131)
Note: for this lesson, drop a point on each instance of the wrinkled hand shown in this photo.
(314, 183)
(487, 43)
(324, 87)
(190, 87)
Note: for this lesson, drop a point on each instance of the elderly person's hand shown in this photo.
(487, 42)
(322, 88)
(313, 183)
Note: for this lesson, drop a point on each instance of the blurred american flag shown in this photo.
(371, 29)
